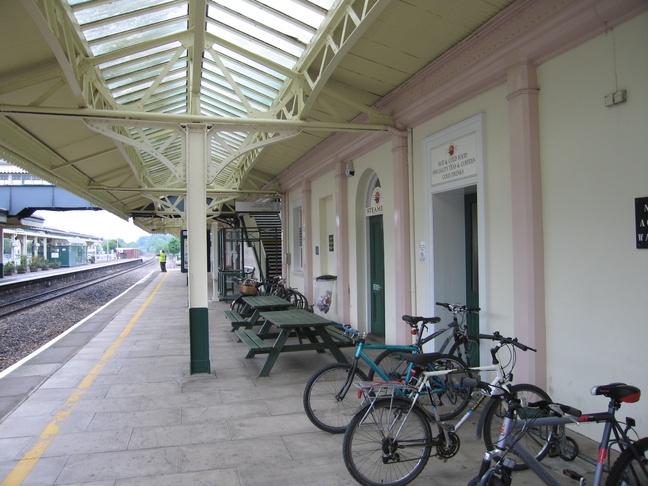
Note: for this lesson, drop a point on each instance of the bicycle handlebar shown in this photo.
(560, 409)
(458, 307)
(496, 336)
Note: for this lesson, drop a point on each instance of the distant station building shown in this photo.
(126, 253)
(26, 242)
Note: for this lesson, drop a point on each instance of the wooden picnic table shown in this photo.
(257, 303)
(311, 329)
(261, 303)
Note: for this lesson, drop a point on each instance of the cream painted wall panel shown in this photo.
(496, 298)
(322, 189)
(594, 163)
(378, 161)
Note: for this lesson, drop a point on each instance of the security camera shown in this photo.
(349, 170)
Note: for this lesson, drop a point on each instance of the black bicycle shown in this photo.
(629, 469)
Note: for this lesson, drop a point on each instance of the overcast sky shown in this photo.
(94, 223)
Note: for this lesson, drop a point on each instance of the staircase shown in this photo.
(269, 231)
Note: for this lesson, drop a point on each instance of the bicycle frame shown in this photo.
(498, 386)
(452, 326)
(361, 355)
(507, 440)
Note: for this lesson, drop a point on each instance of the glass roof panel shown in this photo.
(256, 21)
(133, 58)
(271, 76)
(105, 45)
(234, 79)
(251, 44)
(300, 12)
(91, 11)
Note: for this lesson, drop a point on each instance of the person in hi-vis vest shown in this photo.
(162, 260)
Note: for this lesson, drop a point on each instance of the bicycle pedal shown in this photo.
(575, 476)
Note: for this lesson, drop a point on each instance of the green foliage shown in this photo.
(156, 243)
(148, 244)
(173, 246)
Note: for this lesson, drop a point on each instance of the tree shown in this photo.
(173, 246)
(109, 245)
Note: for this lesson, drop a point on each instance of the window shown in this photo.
(297, 243)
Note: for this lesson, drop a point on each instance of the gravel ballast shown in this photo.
(24, 332)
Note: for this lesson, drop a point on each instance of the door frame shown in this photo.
(445, 222)
(371, 280)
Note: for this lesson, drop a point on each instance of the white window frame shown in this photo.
(297, 238)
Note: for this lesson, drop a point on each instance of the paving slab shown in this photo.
(145, 420)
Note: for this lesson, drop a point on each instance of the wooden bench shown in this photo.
(337, 333)
(237, 320)
(255, 344)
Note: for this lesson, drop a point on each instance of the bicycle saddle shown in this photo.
(423, 358)
(415, 319)
(618, 391)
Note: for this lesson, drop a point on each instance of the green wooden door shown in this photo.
(377, 275)
(472, 262)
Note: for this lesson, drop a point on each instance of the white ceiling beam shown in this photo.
(132, 118)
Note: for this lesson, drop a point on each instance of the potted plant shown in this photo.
(44, 264)
(22, 266)
(55, 264)
(33, 264)
(9, 268)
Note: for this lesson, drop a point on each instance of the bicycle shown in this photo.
(389, 440)
(328, 403)
(273, 286)
(630, 468)
(457, 343)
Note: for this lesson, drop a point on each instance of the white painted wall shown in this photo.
(496, 298)
(594, 163)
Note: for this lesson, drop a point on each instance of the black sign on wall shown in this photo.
(641, 219)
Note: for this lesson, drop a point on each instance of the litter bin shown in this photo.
(325, 300)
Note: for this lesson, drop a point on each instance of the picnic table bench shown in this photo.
(257, 303)
(313, 332)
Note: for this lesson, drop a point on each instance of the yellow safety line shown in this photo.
(31, 458)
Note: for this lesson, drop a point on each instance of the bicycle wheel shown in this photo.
(321, 402)
(447, 392)
(392, 363)
(451, 397)
(631, 467)
(386, 445)
(238, 305)
(458, 349)
(535, 439)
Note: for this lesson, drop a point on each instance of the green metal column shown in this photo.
(196, 217)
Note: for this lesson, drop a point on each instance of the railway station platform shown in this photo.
(112, 403)
(30, 277)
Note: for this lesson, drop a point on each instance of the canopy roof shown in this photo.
(95, 95)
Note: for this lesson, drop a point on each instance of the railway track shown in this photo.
(44, 319)
(37, 298)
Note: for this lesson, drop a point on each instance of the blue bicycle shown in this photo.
(330, 406)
